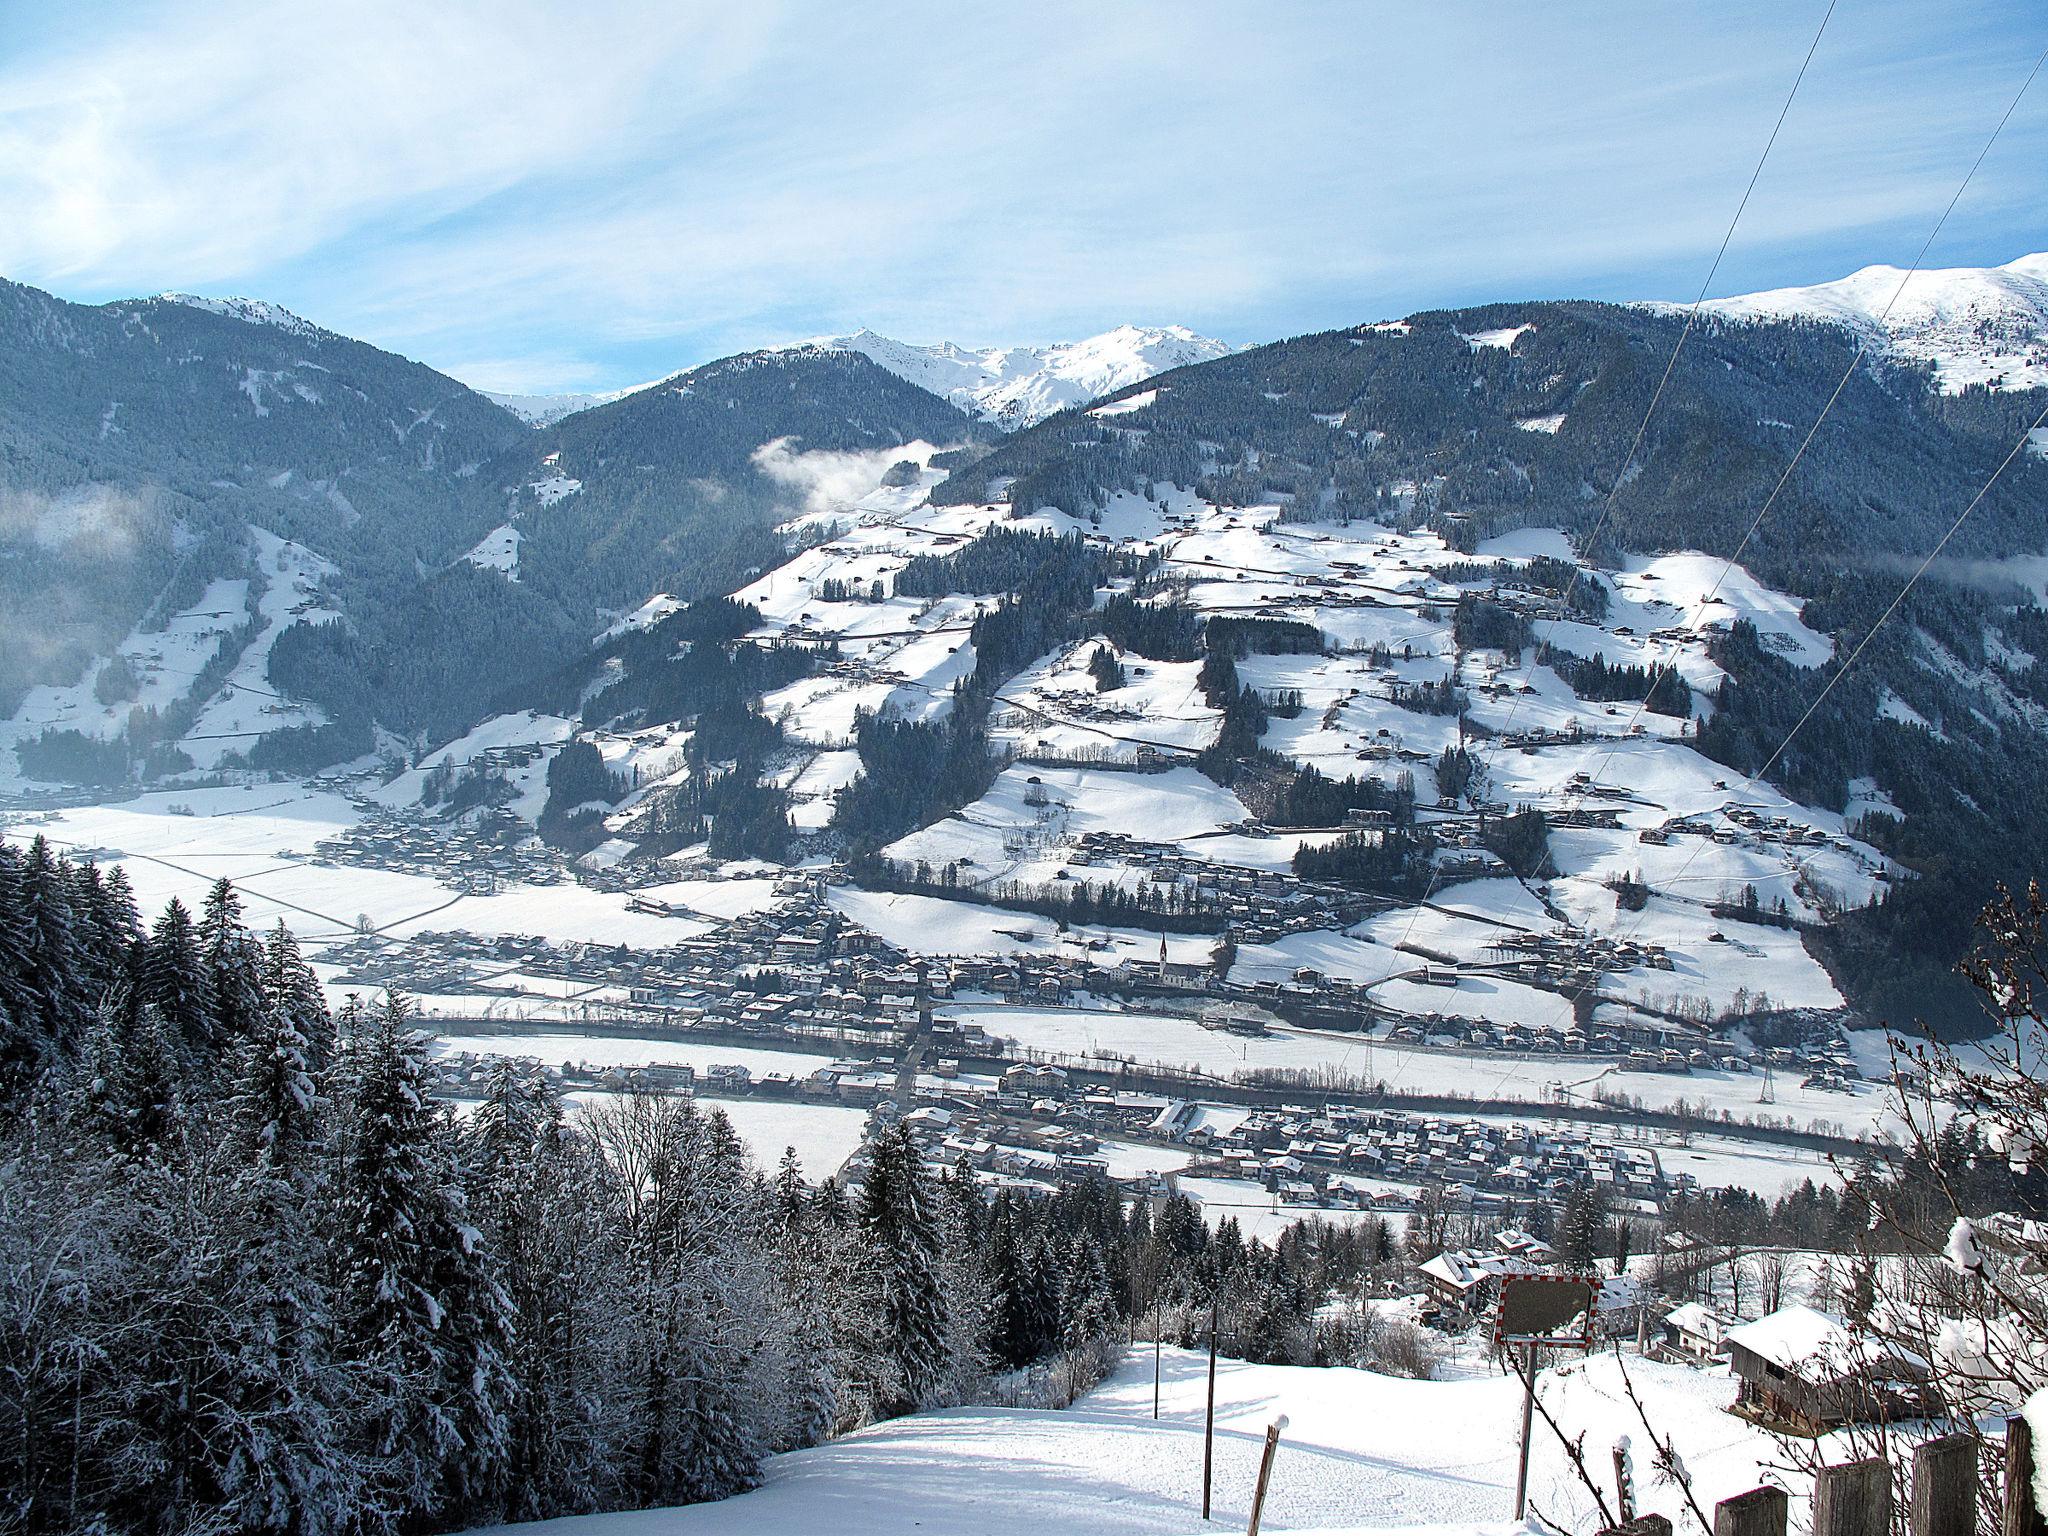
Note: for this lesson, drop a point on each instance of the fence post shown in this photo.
(1641, 1525)
(1265, 1474)
(1759, 1512)
(1854, 1499)
(1945, 1487)
(2022, 1515)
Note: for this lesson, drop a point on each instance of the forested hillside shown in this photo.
(1481, 421)
(139, 439)
(677, 488)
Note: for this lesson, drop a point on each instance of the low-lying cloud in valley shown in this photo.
(823, 479)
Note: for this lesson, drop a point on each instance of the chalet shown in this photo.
(1807, 1370)
(1696, 1333)
(1467, 1282)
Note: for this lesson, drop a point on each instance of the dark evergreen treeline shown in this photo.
(997, 560)
(259, 1277)
(1664, 693)
(1236, 746)
(912, 772)
(1521, 840)
(1227, 635)
(1479, 623)
(1917, 1191)
(1313, 799)
(1393, 863)
(411, 658)
(1044, 609)
(1166, 630)
(1106, 670)
(1442, 697)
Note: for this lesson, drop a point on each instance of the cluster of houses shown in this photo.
(497, 849)
(1311, 1154)
(1259, 905)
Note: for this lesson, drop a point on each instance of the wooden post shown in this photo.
(1155, 1359)
(1759, 1512)
(1265, 1473)
(1945, 1487)
(1624, 1487)
(2022, 1515)
(1209, 1415)
(1641, 1525)
(1528, 1426)
(1854, 1499)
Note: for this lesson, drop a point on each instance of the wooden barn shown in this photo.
(1810, 1372)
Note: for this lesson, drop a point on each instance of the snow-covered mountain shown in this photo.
(546, 410)
(248, 311)
(1975, 325)
(1017, 386)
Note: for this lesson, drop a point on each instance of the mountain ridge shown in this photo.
(1971, 325)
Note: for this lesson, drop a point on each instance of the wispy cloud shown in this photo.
(585, 199)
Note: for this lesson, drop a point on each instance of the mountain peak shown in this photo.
(1972, 325)
(248, 311)
(1017, 386)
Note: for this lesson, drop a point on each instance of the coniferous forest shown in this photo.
(258, 1274)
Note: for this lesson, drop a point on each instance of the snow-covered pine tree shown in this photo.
(720, 1230)
(282, 1465)
(25, 1041)
(289, 984)
(174, 979)
(130, 1081)
(538, 1200)
(1085, 1309)
(95, 932)
(52, 964)
(419, 1315)
(234, 966)
(807, 1368)
(900, 1218)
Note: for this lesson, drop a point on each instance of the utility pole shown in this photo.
(1209, 1417)
(1528, 1423)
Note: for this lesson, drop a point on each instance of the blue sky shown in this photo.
(590, 195)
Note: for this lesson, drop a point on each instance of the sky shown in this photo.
(584, 196)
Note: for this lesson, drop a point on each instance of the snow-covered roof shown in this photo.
(1467, 1269)
(1695, 1319)
(1798, 1338)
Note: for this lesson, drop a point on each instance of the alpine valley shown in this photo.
(1335, 659)
(1166, 821)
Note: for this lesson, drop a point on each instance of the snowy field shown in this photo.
(262, 837)
(1361, 1452)
(598, 1052)
(1084, 1034)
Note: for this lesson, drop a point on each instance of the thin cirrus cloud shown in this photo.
(535, 198)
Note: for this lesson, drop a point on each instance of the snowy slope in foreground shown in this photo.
(1016, 386)
(1976, 325)
(1362, 1452)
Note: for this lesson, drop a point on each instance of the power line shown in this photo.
(1643, 427)
(1728, 565)
(1756, 779)
(1892, 608)
(1862, 350)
